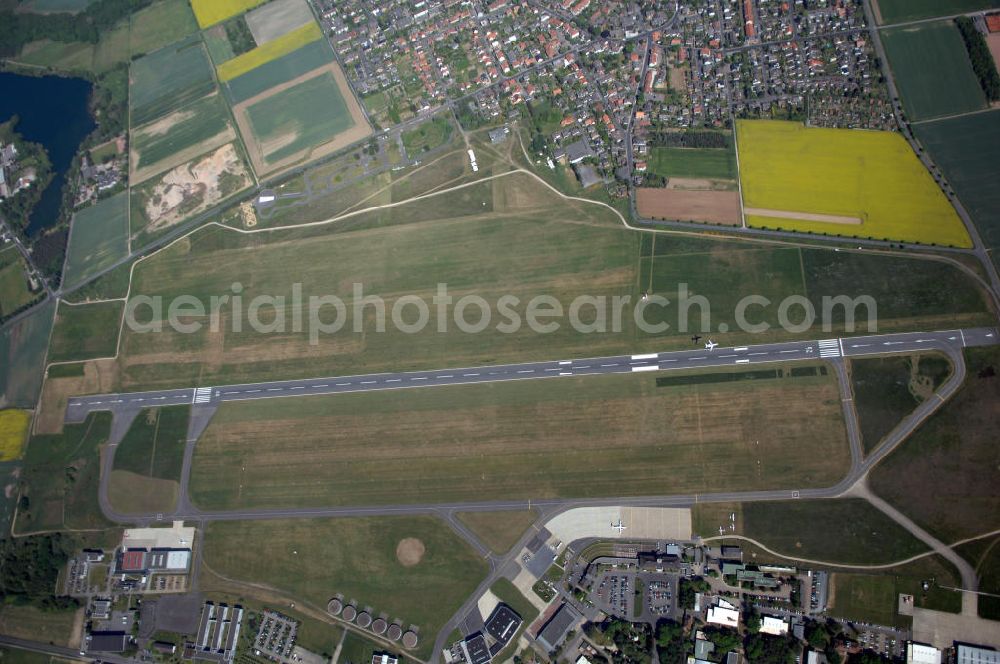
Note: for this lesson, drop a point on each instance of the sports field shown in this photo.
(85, 331)
(887, 389)
(932, 69)
(99, 238)
(629, 436)
(210, 12)
(272, 50)
(14, 287)
(897, 11)
(870, 176)
(176, 138)
(147, 467)
(944, 475)
(280, 70)
(711, 163)
(405, 561)
(554, 247)
(13, 432)
(168, 79)
(967, 150)
(162, 23)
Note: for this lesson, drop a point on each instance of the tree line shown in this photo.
(19, 28)
(689, 139)
(982, 59)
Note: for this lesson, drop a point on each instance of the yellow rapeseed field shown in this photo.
(13, 433)
(871, 176)
(210, 12)
(272, 50)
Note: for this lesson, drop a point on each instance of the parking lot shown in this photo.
(276, 636)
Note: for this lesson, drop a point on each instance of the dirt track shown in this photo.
(803, 216)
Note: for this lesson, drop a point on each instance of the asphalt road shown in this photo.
(698, 358)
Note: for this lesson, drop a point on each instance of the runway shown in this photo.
(698, 358)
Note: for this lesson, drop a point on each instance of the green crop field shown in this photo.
(162, 23)
(356, 557)
(197, 124)
(897, 11)
(863, 183)
(499, 530)
(887, 389)
(14, 287)
(709, 163)
(541, 247)
(932, 69)
(944, 475)
(509, 440)
(967, 150)
(874, 597)
(22, 356)
(85, 331)
(57, 5)
(168, 79)
(286, 68)
(308, 114)
(61, 474)
(147, 467)
(113, 48)
(99, 239)
(65, 56)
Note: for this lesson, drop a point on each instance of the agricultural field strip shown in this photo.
(79, 407)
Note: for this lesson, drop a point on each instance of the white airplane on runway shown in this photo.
(619, 526)
(710, 345)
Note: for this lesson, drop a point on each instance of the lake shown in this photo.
(53, 112)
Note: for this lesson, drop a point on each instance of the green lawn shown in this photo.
(984, 555)
(499, 530)
(932, 69)
(887, 389)
(967, 150)
(509, 440)
(944, 475)
(428, 136)
(85, 331)
(154, 444)
(838, 531)
(313, 112)
(315, 559)
(60, 475)
(896, 11)
(708, 163)
(873, 597)
(99, 239)
(148, 461)
(14, 290)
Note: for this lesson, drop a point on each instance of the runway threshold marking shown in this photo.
(648, 367)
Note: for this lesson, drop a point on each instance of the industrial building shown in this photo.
(555, 630)
(218, 633)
